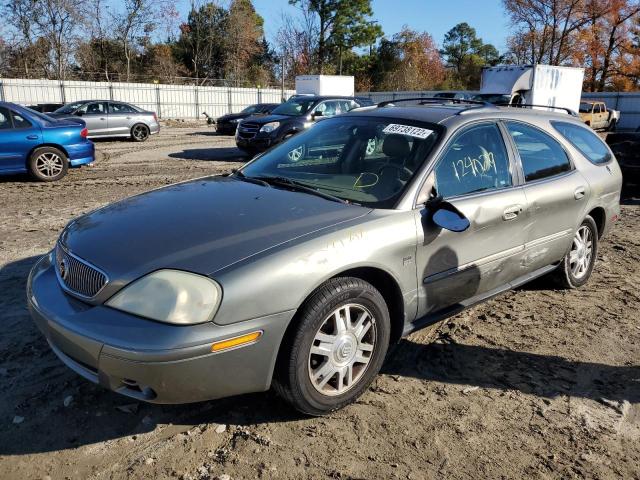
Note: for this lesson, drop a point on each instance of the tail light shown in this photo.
(84, 133)
(155, 117)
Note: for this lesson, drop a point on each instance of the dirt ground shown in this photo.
(537, 383)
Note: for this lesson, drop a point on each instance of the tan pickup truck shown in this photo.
(598, 117)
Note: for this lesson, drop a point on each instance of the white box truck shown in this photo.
(543, 85)
(340, 85)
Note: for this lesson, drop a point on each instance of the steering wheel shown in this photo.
(403, 171)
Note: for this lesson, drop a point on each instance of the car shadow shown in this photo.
(209, 133)
(46, 407)
(222, 154)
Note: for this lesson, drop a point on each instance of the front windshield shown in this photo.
(294, 107)
(585, 108)
(250, 109)
(365, 160)
(70, 108)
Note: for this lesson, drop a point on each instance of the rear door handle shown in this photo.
(32, 137)
(579, 193)
(512, 212)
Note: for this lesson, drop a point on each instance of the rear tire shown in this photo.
(576, 267)
(140, 132)
(336, 348)
(48, 164)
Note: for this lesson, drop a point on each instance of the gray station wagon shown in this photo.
(300, 269)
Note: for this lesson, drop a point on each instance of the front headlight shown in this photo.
(234, 120)
(170, 296)
(269, 127)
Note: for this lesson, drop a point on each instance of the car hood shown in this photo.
(232, 116)
(201, 226)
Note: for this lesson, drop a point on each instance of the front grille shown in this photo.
(78, 276)
(248, 129)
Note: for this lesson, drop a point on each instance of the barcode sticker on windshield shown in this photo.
(394, 128)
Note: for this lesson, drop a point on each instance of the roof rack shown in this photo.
(434, 101)
(531, 105)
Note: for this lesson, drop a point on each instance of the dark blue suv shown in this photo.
(43, 146)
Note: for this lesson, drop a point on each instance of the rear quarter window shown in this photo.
(585, 141)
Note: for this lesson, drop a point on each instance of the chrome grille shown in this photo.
(248, 129)
(78, 276)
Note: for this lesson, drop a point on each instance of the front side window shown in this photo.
(5, 120)
(365, 160)
(541, 155)
(475, 161)
(585, 140)
(96, 108)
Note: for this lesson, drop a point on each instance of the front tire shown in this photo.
(336, 349)
(48, 164)
(577, 265)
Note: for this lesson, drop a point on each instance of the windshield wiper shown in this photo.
(255, 180)
(299, 186)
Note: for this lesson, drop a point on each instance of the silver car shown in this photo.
(302, 268)
(105, 118)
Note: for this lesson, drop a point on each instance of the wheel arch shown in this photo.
(600, 217)
(43, 145)
(381, 280)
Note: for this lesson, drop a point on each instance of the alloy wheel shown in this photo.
(342, 349)
(140, 132)
(49, 164)
(581, 252)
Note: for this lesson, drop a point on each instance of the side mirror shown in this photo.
(447, 216)
(317, 113)
(79, 113)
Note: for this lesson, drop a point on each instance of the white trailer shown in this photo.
(325, 85)
(543, 85)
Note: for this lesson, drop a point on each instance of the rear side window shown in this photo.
(541, 155)
(5, 121)
(585, 140)
(120, 108)
(19, 121)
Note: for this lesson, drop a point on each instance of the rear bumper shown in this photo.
(81, 153)
(154, 128)
(147, 360)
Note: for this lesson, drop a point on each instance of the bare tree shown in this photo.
(136, 21)
(547, 27)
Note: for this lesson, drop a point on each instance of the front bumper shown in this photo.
(258, 143)
(148, 360)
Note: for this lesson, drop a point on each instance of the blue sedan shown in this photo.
(40, 145)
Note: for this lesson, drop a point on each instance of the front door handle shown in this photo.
(579, 193)
(32, 137)
(512, 212)
(102, 118)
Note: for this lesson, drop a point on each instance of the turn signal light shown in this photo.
(236, 341)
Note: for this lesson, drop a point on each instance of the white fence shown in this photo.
(168, 101)
(627, 103)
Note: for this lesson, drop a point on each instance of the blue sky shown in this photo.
(433, 16)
